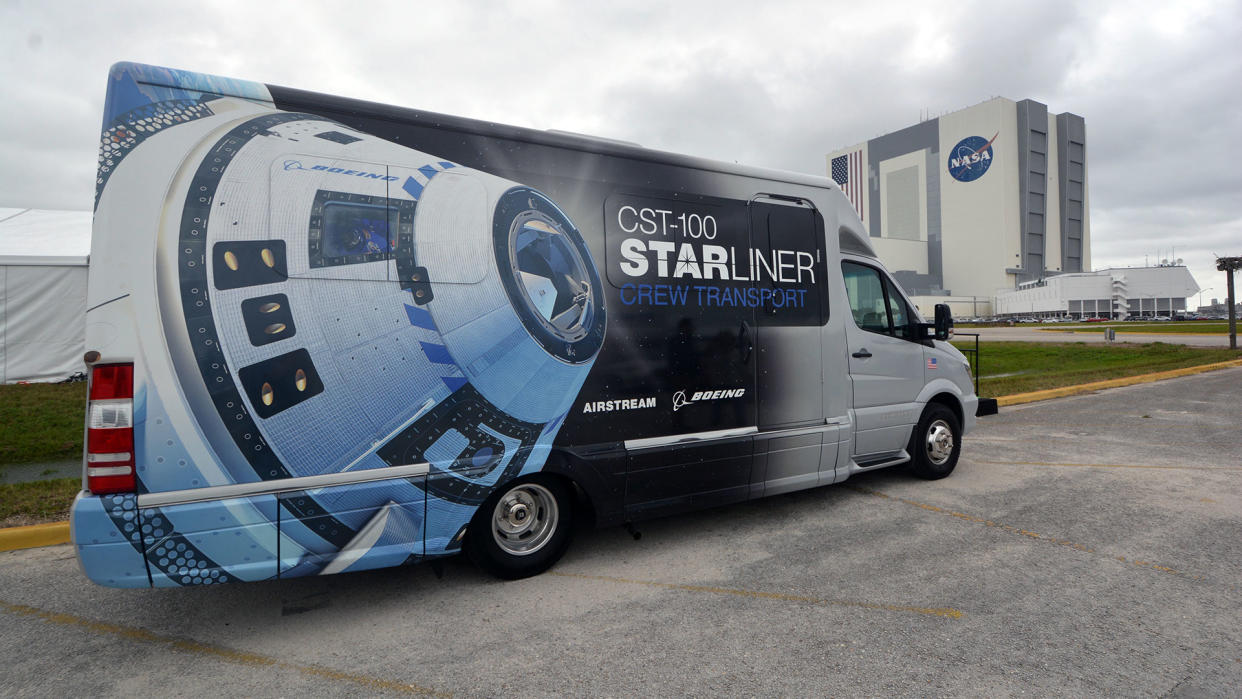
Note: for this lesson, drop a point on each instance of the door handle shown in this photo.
(862, 353)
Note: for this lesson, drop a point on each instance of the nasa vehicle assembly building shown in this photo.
(969, 203)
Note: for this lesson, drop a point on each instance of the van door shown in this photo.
(682, 332)
(788, 352)
(886, 366)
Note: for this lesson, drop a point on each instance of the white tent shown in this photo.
(43, 256)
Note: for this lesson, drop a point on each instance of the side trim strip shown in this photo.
(694, 437)
(283, 485)
(795, 431)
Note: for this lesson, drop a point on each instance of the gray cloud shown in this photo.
(776, 85)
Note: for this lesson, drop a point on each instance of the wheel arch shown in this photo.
(952, 402)
(943, 391)
(574, 474)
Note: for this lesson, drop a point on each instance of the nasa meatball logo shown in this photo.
(971, 158)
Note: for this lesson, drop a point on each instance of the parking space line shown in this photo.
(134, 633)
(1148, 424)
(947, 612)
(1029, 534)
(1072, 465)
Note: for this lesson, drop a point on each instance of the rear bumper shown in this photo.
(236, 532)
(106, 534)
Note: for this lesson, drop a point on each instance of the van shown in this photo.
(326, 335)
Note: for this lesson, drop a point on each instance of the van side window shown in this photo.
(875, 302)
(897, 309)
(865, 289)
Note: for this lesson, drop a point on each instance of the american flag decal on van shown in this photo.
(931, 363)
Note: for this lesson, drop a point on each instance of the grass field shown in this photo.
(1018, 367)
(34, 503)
(1184, 328)
(41, 422)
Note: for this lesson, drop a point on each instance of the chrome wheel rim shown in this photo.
(525, 519)
(939, 442)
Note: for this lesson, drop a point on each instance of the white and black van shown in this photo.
(328, 335)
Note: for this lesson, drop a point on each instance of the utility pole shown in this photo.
(1229, 265)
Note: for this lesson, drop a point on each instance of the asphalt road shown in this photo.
(1085, 546)
(1033, 333)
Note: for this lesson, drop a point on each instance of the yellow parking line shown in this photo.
(133, 633)
(34, 536)
(1019, 398)
(947, 612)
(1068, 465)
(1024, 532)
(1148, 424)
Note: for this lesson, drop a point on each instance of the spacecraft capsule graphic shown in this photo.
(337, 287)
(335, 302)
(402, 279)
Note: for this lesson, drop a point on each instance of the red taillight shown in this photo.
(110, 430)
(112, 381)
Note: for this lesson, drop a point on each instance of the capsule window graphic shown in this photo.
(268, 319)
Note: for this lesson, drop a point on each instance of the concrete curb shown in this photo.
(1125, 332)
(34, 536)
(1020, 398)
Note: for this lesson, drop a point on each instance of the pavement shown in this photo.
(1033, 333)
(41, 471)
(1085, 545)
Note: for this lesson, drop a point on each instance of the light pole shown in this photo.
(1201, 297)
(1229, 265)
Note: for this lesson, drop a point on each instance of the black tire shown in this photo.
(931, 456)
(523, 528)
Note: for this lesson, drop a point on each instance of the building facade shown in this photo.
(1119, 292)
(980, 200)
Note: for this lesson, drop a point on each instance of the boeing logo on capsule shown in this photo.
(297, 165)
(971, 158)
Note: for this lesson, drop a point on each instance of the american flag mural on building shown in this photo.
(847, 171)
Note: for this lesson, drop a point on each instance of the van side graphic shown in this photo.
(350, 336)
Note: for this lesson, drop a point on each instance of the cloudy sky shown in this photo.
(775, 84)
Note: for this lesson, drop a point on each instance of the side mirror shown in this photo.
(944, 321)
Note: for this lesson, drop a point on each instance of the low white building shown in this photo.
(1107, 293)
(43, 256)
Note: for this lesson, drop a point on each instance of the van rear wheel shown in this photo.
(936, 443)
(522, 529)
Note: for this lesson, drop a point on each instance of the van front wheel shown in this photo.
(936, 443)
(522, 529)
